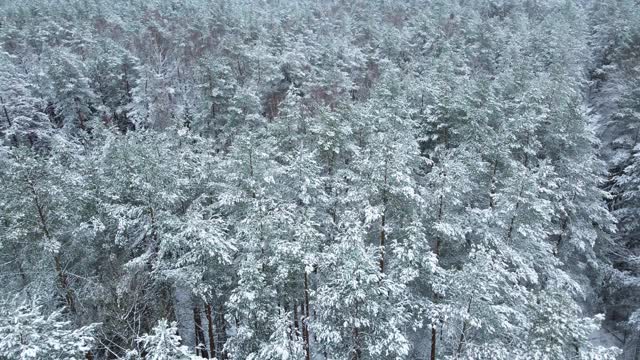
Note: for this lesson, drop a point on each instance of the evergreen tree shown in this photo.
(27, 333)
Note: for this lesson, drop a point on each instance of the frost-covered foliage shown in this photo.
(163, 343)
(301, 179)
(615, 95)
(28, 332)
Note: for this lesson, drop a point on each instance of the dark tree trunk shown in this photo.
(295, 318)
(305, 325)
(62, 276)
(223, 332)
(492, 186)
(212, 342)
(465, 325)
(199, 332)
(433, 342)
(436, 250)
(383, 237)
(383, 234)
(563, 229)
(357, 350)
(6, 113)
(515, 214)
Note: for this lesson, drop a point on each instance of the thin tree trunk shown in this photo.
(23, 276)
(492, 187)
(64, 283)
(513, 218)
(166, 302)
(383, 234)
(434, 331)
(223, 333)
(201, 344)
(295, 318)
(465, 324)
(434, 334)
(563, 228)
(127, 87)
(383, 237)
(212, 342)
(62, 276)
(440, 215)
(305, 325)
(154, 235)
(357, 351)
(81, 119)
(285, 307)
(6, 113)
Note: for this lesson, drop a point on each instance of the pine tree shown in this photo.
(72, 98)
(28, 333)
(164, 343)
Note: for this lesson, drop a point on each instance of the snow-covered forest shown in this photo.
(315, 180)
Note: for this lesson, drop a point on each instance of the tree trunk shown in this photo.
(435, 296)
(62, 276)
(285, 307)
(223, 332)
(513, 218)
(383, 234)
(383, 237)
(433, 342)
(201, 344)
(212, 342)
(435, 299)
(64, 284)
(6, 113)
(295, 318)
(492, 187)
(357, 352)
(465, 324)
(434, 331)
(563, 229)
(437, 245)
(305, 325)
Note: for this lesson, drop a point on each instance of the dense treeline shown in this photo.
(264, 179)
(615, 98)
